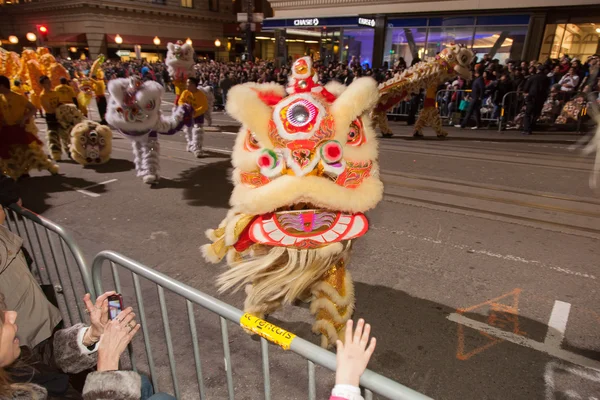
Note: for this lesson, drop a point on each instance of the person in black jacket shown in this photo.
(8, 191)
(536, 90)
(475, 105)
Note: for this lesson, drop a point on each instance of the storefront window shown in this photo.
(359, 44)
(501, 36)
(500, 42)
(404, 44)
(439, 38)
(575, 39)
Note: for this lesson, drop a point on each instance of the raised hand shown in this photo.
(98, 316)
(118, 333)
(353, 355)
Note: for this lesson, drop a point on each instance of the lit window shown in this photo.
(187, 3)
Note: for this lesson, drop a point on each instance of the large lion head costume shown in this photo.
(305, 171)
(180, 59)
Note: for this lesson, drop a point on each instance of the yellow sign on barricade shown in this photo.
(267, 330)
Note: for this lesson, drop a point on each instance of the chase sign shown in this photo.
(367, 22)
(306, 22)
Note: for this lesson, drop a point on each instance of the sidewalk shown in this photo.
(401, 130)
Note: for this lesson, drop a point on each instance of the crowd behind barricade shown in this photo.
(559, 96)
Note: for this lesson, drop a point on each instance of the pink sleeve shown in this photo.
(338, 398)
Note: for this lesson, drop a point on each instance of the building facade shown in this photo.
(91, 27)
(380, 31)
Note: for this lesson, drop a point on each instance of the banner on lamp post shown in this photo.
(138, 51)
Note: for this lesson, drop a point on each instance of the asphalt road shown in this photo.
(484, 254)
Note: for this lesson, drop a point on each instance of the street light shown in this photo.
(188, 41)
(156, 41)
(73, 49)
(118, 39)
(13, 39)
(218, 43)
(31, 37)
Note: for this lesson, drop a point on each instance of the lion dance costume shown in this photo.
(180, 65)
(305, 172)
(134, 109)
(427, 75)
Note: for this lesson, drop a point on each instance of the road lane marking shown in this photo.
(549, 347)
(82, 191)
(558, 323)
(100, 184)
(85, 191)
(507, 257)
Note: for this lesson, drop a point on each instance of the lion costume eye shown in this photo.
(356, 136)
(251, 143)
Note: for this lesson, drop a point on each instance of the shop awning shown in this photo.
(132, 40)
(70, 38)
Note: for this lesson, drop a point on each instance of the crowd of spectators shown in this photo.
(565, 77)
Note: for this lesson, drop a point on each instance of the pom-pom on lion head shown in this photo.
(310, 158)
(180, 59)
(134, 105)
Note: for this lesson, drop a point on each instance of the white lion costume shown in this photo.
(180, 65)
(305, 171)
(91, 143)
(134, 109)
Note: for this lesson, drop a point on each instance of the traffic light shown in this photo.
(42, 32)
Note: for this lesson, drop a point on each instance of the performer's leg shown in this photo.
(188, 136)
(101, 102)
(137, 157)
(64, 136)
(197, 140)
(436, 123)
(260, 310)
(383, 124)
(420, 124)
(150, 161)
(54, 145)
(333, 304)
(28, 157)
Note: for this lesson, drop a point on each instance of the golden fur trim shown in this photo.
(244, 104)
(358, 98)
(281, 274)
(328, 333)
(323, 193)
(209, 254)
(332, 293)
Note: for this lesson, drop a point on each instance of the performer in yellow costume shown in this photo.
(66, 94)
(194, 131)
(50, 100)
(20, 150)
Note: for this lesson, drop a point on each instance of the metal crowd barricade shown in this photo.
(513, 104)
(449, 106)
(58, 263)
(402, 109)
(313, 355)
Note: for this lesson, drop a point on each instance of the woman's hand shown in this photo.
(98, 317)
(353, 355)
(117, 335)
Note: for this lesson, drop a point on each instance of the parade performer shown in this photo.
(194, 130)
(67, 116)
(91, 143)
(180, 65)
(50, 100)
(134, 109)
(20, 150)
(305, 171)
(86, 93)
(427, 75)
(66, 93)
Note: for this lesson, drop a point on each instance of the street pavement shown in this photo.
(479, 274)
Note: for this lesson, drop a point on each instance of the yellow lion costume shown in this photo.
(91, 143)
(305, 171)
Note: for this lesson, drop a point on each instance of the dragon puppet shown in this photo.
(305, 171)
(134, 109)
(428, 75)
